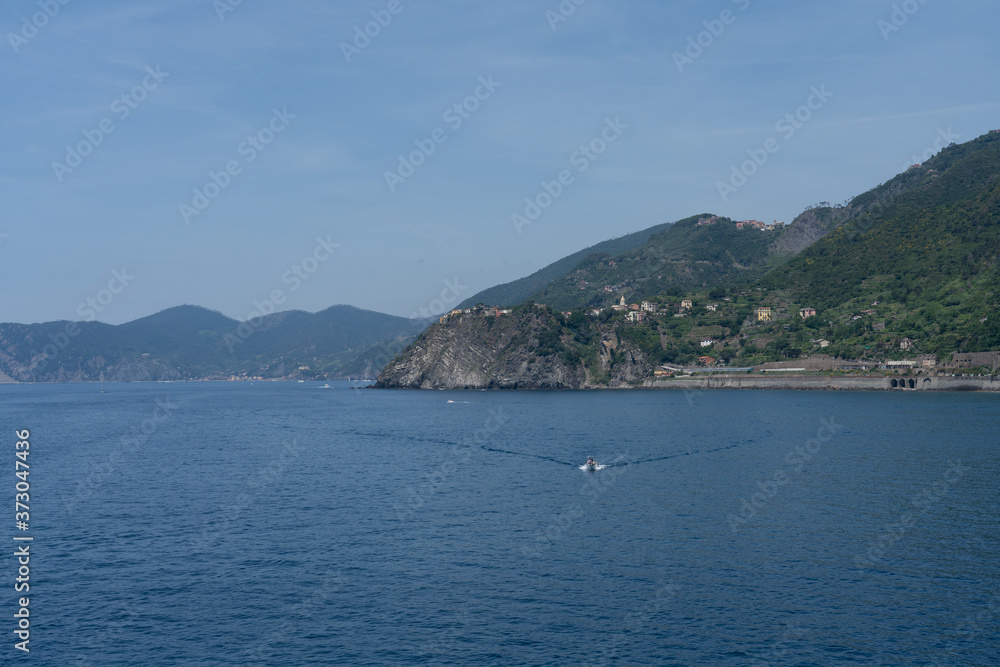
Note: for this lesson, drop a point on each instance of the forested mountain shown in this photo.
(683, 257)
(929, 258)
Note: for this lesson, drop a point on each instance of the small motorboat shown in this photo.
(591, 464)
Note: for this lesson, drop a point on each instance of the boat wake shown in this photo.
(621, 460)
(527, 455)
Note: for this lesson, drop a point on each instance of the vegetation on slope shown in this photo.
(682, 258)
(517, 291)
(908, 268)
(928, 260)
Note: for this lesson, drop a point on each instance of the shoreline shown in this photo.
(989, 383)
(986, 384)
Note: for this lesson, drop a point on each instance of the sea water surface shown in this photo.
(291, 524)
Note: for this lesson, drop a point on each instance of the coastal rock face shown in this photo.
(625, 368)
(477, 351)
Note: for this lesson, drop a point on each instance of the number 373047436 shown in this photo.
(21, 468)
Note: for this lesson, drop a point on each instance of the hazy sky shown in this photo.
(286, 117)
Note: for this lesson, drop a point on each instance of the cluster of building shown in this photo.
(765, 314)
(761, 226)
(478, 309)
(744, 224)
(637, 312)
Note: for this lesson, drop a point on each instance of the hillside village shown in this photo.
(900, 281)
(731, 334)
(743, 224)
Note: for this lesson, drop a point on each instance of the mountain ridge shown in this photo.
(516, 291)
(907, 272)
(190, 342)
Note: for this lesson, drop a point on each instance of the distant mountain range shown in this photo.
(188, 342)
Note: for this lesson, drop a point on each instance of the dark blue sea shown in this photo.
(291, 524)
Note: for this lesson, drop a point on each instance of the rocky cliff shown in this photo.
(531, 348)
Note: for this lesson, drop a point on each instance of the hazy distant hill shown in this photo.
(188, 342)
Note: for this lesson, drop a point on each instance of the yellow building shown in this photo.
(764, 314)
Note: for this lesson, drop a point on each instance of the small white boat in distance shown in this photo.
(591, 464)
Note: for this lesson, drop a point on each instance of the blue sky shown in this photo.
(115, 113)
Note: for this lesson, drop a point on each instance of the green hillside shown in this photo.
(908, 268)
(515, 292)
(684, 257)
(928, 259)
